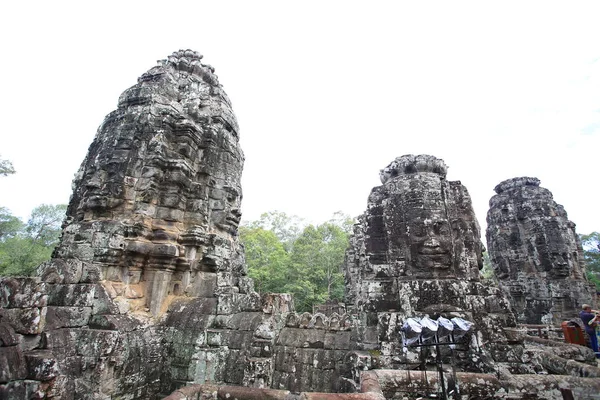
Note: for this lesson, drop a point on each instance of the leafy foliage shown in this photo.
(487, 272)
(591, 253)
(24, 246)
(284, 256)
(315, 265)
(10, 225)
(266, 258)
(6, 168)
(285, 227)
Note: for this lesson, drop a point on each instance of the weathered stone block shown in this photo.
(204, 284)
(285, 358)
(244, 320)
(267, 329)
(239, 339)
(214, 337)
(22, 292)
(73, 295)
(103, 303)
(249, 302)
(291, 337)
(27, 321)
(98, 343)
(371, 336)
(265, 347)
(308, 356)
(91, 273)
(234, 368)
(121, 323)
(67, 317)
(41, 365)
(61, 271)
(381, 295)
(8, 336)
(30, 342)
(277, 303)
(12, 364)
(209, 365)
(329, 360)
(61, 341)
(20, 390)
(343, 340)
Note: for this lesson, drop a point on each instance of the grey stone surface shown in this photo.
(416, 251)
(536, 253)
(148, 290)
(149, 256)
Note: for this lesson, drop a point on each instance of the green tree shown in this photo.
(286, 227)
(25, 246)
(266, 258)
(487, 272)
(6, 167)
(343, 221)
(591, 254)
(10, 226)
(284, 256)
(44, 224)
(316, 258)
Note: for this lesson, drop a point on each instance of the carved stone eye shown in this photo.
(418, 230)
(441, 228)
(184, 151)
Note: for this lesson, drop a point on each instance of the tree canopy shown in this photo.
(284, 256)
(591, 253)
(23, 246)
(285, 227)
(6, 167)
(266, 258)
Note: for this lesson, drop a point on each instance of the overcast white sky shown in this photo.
(326, 93)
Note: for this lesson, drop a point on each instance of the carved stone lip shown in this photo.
(96, 201)
(428, 251)
(233, 220)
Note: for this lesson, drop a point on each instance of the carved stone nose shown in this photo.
(432, 241)
(93, 183)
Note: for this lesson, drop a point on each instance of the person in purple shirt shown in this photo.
(587, 315)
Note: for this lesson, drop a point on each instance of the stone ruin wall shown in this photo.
(536, 254)
(148, 289)
(311, 353)
(417, 251)
(149, 260)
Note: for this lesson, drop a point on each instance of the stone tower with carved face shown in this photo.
(536, 253)
(418, 225)
(149, 258)
(432, 227)
(417, 251)
(156, 202)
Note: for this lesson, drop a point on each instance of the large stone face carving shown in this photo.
(417, 251)
(149, 260)
(418, 225)
(156, 202)
(535, 252)
(148, 292)
(431, 227)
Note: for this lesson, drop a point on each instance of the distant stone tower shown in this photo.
(535, 253)
(417, 251)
